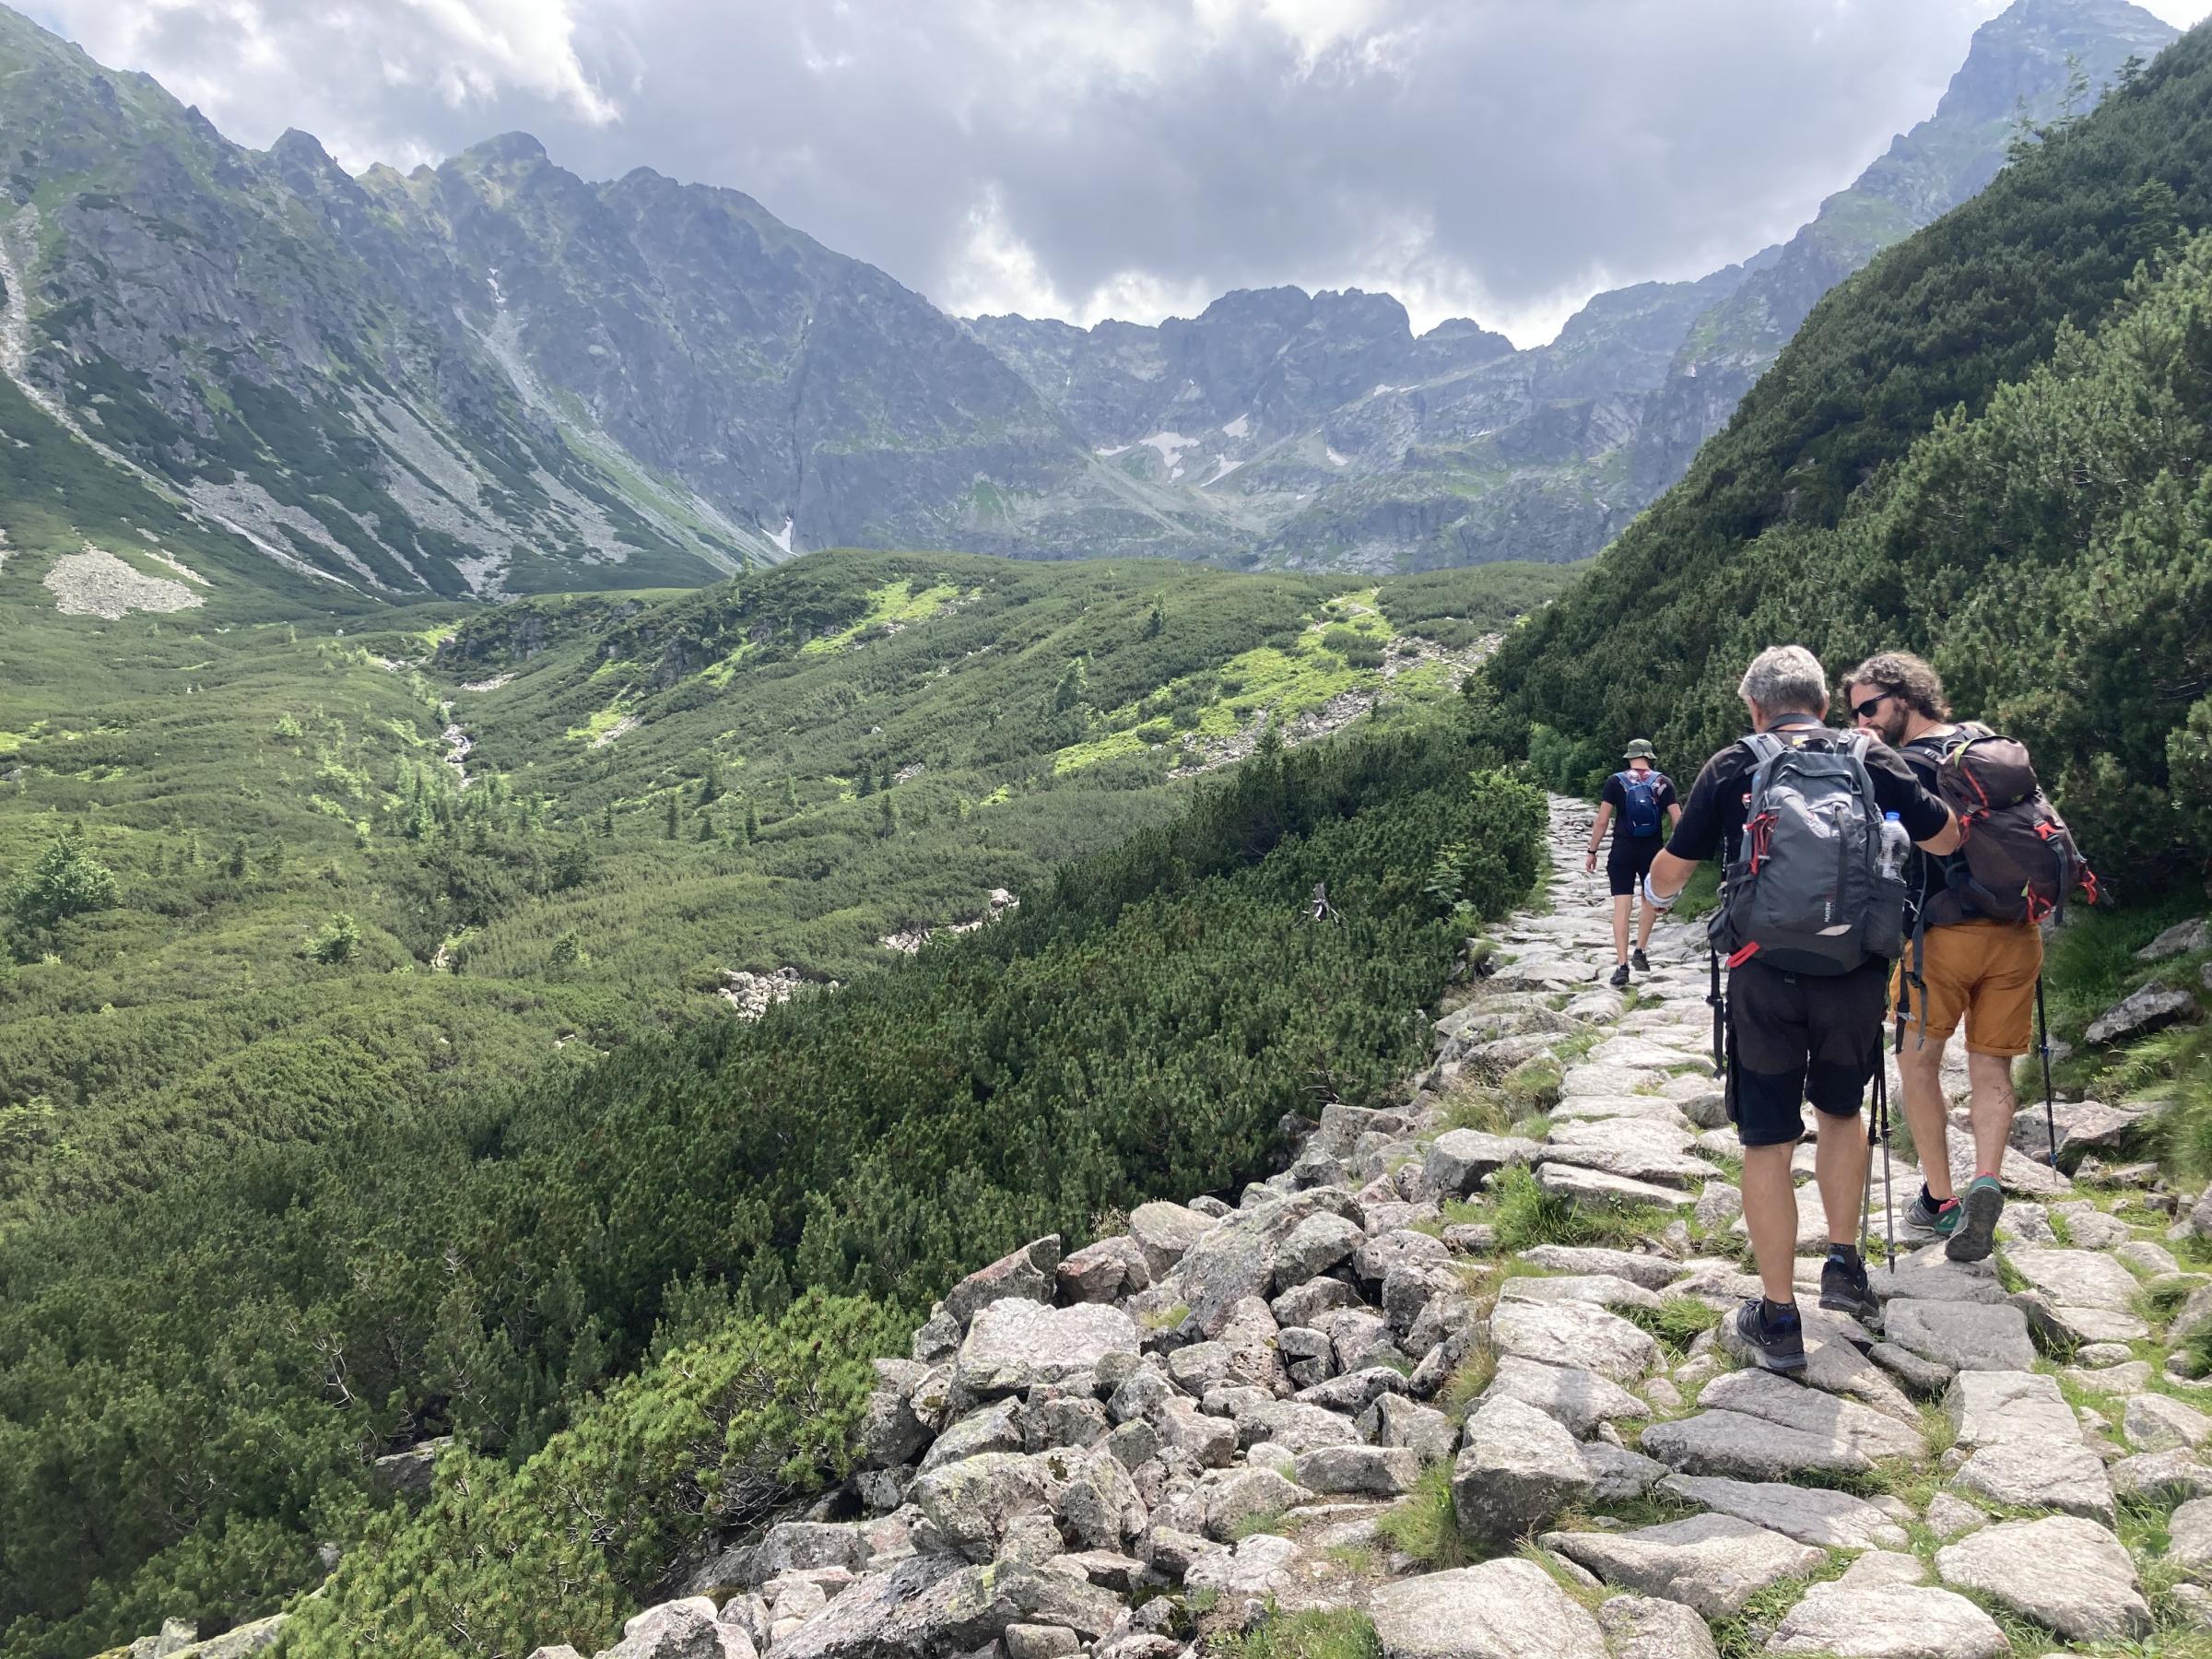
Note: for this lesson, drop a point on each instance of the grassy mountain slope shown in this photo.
(1988, 445)
(281, 1311)
(248, 781)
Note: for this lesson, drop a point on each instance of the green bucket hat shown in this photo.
(1639, 750)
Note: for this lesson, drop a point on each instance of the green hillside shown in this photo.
(295, 1011)
(247, 783)
(1989, 446)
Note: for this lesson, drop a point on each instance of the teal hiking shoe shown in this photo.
(1929, 1214)
(1976, 1233)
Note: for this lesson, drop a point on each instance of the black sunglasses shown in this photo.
(1866, 710)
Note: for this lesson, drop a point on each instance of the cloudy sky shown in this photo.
(1084, 158)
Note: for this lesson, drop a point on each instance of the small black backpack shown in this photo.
(2017, 861)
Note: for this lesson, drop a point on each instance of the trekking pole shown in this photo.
(1881, 1105)
(1718, 1005)
(2042, 1041)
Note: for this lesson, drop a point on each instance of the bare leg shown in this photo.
(1643, 927)
(1920, 1069)
(1839, 1165)
(1771, 1213)
(1991, 1111)
(1620, 928)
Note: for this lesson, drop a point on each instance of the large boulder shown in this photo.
(1577, 1398)
(1314, 1246)
(931, 1605)
(1165, 1232)
(680, 1629)
(891, 1434)
(1568, 1334)
(1461, 1159)
(2152, 1008)
(1644, 1627)
(1504, 1609)
(1105, 1271)
(1236, 1257)
(1015, 1345)
(1517, 1469)
(972, 1503)
(1888, 1621)
(2068, 1574)
(1029, 1274)
(1816, 1515)
(1759, 1428)
(1712, 1564)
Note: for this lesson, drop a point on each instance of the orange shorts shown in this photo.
(1983, 973)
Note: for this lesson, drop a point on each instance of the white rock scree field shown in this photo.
(1227, 1418)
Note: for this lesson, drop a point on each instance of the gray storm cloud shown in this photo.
(1500, 158)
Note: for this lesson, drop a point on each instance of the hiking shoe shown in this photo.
(1778, 1345)
(1939, 1217)
(1638, 961)
(1977, 1230)
(1621, 977)
(1844, 1288)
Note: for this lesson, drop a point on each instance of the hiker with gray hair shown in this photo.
(1812, 827)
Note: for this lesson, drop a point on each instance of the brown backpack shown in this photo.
(2017, 861)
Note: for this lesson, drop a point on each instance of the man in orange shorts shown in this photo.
(1975, 969)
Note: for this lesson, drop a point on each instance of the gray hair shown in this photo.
(1786, 679)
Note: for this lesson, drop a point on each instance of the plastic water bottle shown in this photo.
(1897, 847)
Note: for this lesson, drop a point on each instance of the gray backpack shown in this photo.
(1806, 892)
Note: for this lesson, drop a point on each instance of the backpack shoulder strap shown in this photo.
(1762, 746)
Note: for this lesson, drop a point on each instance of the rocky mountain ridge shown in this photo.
(1226, 1418)
(1452, 448)
(492, 376)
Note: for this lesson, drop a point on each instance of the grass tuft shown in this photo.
(1425, 1525)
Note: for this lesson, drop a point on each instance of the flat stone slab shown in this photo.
(1567, 1334)
(1711, 1564)
(1809, 1515)
(1643, 1053)
(2075, 1278)
(1927, 1275)
(1653, 1273)
(2080, 1325)
(1014, 1345)
(1757, 1427)
(1888, 1621)
(1643, 1108)
(1962, 1335)
(1596, 1189)
(1504, 1609)
(1633, 1148)
(1644, 1627)
(2070, 1576)
(2161, 1423)
(1577, 1398)
(1593, 1289)
(1588, 1079)
(2039, 1474)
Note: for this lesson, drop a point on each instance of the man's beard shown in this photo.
(1890, 728)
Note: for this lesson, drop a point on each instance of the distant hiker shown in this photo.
(1644, 798)
(1976, 946)
(1810, 922)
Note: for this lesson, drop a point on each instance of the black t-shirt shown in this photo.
(1712, 819)
(1616, 795)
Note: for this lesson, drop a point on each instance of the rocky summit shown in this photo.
(1471, 1386)
(492, 376)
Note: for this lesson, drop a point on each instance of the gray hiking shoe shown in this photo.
(1638, 961)
(1621, 977)
(1976, 1233)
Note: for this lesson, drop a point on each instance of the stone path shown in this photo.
(1494, 1309)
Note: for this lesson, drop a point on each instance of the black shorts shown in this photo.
(1629, 860)
(1794, 1037)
